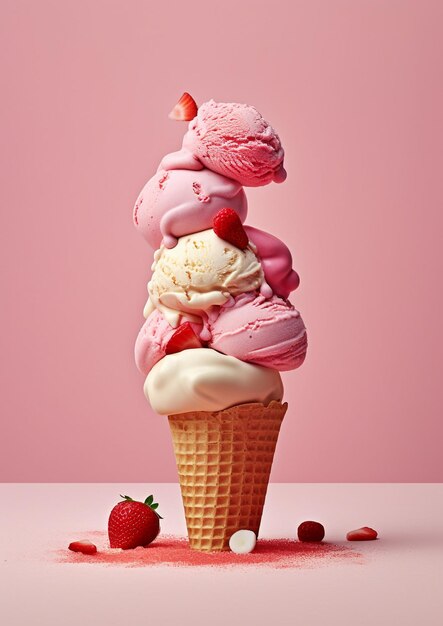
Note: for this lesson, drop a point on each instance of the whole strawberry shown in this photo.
(132, 524)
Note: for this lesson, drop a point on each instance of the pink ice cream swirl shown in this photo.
(276, 260)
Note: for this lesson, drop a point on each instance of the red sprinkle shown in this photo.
(175, 552)
(197, 189)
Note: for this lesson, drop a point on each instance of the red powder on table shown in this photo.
(175, 552)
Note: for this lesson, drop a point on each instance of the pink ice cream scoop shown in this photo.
(267, 332)
(235, 141)
(179, 202)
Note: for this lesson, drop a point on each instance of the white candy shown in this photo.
(243, 541)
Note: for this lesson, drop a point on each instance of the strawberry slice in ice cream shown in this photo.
(227, 226)
(158, 338)
(184, 338)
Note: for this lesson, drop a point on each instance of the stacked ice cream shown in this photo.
(219, 327)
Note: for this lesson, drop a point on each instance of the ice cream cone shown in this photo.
(224, 460)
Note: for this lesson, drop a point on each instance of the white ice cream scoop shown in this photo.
(243, 541)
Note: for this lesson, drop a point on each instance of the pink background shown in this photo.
(354, 89)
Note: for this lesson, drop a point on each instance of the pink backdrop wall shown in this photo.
(354, 89)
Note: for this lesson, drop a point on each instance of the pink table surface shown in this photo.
(398, 580)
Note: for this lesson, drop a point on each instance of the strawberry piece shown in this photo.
(227, 226)
(362, 534)
(184, 338)
(185, 109)
(84, 546)
(132, 524)
(311, 531)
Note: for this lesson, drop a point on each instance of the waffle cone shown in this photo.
(224, 460)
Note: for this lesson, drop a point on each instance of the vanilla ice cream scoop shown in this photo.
(201, 271)
(205, 380)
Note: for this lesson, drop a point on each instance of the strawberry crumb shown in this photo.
(175, 551)
(162, 180)
(197, 189)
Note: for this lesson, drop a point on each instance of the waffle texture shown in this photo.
(224, 460)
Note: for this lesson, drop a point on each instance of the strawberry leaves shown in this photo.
(149, 501)
(127, 498)
(153, 505)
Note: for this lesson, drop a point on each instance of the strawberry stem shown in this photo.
(149, 501)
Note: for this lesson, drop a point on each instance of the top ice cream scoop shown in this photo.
(231, 139)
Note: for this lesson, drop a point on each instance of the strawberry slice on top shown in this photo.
(227, 225)
(185, 109)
